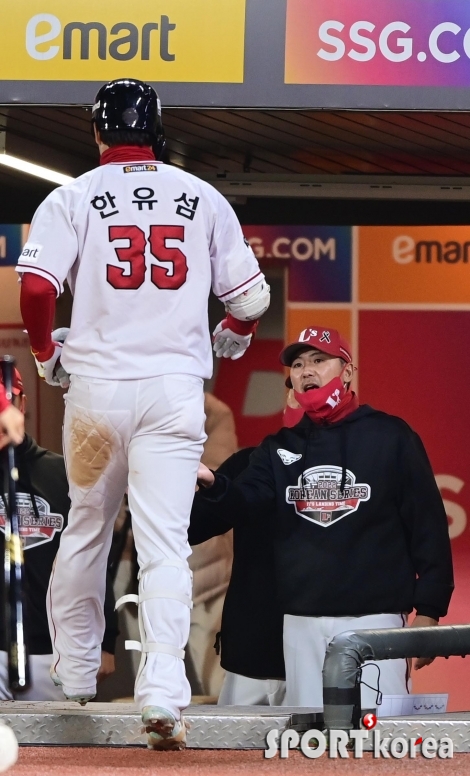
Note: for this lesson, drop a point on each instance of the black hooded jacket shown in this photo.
(42, 476)
(252, 619)
(380, 546)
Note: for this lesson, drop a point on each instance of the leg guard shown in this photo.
(164, 605)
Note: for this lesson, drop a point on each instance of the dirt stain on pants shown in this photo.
(89, 452)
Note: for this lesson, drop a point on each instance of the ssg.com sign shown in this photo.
(300, 248)
(159, 40)
(319, 258)
(365, 42)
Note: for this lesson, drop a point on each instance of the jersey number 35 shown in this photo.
(134, 255)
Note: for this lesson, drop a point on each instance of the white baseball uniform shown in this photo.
(239, 690)
(305, 642)
(141, 244)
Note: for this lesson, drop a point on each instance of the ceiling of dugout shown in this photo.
(211, 142)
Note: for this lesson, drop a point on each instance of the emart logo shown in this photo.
(160, 40)
(47, 38)
(314, 743)
(406, 250)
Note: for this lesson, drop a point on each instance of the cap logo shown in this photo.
(306, 334)
(326, 337)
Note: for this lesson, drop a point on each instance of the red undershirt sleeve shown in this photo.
(37, 303)
(241, 327)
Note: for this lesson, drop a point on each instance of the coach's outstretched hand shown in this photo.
(205, 478)
(11, 426)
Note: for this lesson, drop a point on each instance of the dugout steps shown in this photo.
(212, 727)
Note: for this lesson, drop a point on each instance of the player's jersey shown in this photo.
(140, 244)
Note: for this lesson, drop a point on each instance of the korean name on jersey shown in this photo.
(140, 246)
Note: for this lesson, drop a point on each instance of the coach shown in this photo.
(360, 530)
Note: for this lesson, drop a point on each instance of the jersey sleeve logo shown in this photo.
(30, 253)
(287, 457)
(33, 531)
(318, 496)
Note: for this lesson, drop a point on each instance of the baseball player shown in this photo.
(43, 506)
(141, 244)
(11, 421)
(360, 531)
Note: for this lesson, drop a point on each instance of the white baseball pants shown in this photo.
(239, 690)
(146, 435)
(305, 643)
(42, 689)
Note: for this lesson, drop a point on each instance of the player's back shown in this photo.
(140, 243)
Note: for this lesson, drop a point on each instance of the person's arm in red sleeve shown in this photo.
(37, 303)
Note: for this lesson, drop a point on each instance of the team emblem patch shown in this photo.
(287, 457)
(318, 496)
(32, 531)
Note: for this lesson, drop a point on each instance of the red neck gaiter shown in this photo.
(127, 153)
(328, 404)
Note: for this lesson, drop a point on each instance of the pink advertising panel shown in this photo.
(400, 43)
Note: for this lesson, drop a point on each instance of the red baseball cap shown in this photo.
(326, 340)
(17, 386)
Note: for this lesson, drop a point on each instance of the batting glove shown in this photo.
(60, 335)
(51, 369)
(232, 337)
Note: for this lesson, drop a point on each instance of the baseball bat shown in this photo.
(18, 663)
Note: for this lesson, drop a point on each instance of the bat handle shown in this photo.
(7, 364)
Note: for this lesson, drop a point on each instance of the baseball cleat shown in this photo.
(164, 731)
(81, 699)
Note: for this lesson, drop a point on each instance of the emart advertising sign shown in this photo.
(154, 40)
(333, 54)
(415, 264)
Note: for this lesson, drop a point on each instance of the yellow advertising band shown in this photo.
(160, 40)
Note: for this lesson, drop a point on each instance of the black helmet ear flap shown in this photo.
(158, 147)
(288, 383)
